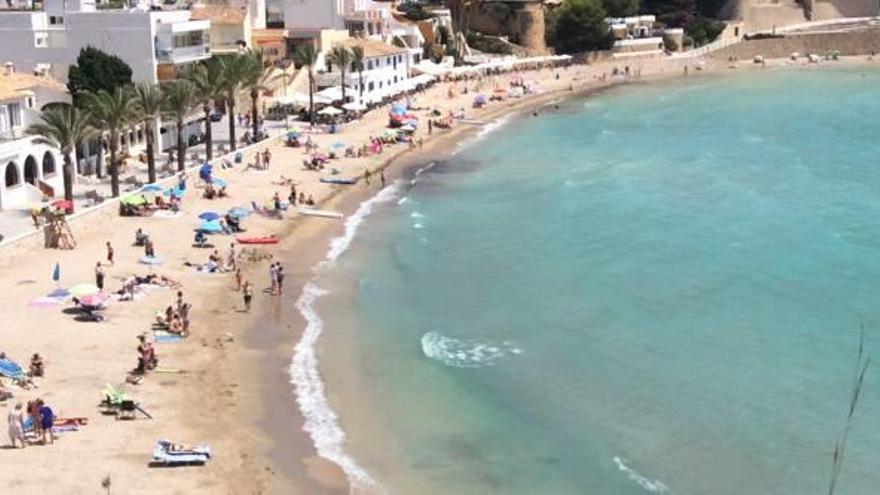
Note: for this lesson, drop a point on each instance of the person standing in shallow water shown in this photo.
(247, 294)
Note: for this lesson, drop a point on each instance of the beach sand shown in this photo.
(234, 393)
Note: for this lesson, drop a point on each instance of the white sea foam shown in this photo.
(416, 214)
(655, 486)
(417, 225)
(320, 421)
(461, 353)
(492, 127)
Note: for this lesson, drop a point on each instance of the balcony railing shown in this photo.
(183, 54)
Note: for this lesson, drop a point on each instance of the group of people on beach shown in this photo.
(37, 418)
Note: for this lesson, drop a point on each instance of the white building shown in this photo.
(154, 43)
(31, 168)
(386, 70)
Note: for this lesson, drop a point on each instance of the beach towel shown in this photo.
(162, 337)
(10, 369)
(167, 214)
(167, 454)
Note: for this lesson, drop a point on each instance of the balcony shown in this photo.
(183, 55)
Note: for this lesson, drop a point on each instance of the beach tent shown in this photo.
(209, 215)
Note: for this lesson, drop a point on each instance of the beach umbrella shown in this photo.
(209, 215)
(94, 299)
(354, 107)
(61, 204)
(219, 183)
(134, 200)
(480, 99)
(210, 226)
(151, 188)
(239, 212)
(398, 109)
(293, 134)
(408, 128)
(82, 290)
(330, 111)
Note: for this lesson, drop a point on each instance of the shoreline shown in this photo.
(236, 366)
(408, 163)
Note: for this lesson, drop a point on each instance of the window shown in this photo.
(395, 79)
(31, 174)
(371, 86)
(56, 20)
(12, 178)
(30, 102)
(369, 65)
(14, 110)
(48, 164)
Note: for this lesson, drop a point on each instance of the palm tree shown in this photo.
(357, 64)
(306, 56)
(180, 100)
(65, 126)
(257, 80)
(113, 113)
(149, 102)
(341, 56)
(235, 70)
(208, 81)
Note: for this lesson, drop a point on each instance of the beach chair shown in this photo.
(168, 455)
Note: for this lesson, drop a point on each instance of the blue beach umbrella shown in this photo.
(175, 191)
(210, 227)
(209, 215)
(219, 182)
(152, 188)
(239, 212)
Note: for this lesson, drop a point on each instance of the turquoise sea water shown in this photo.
(657, 289)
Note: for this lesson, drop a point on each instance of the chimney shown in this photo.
(10, 68)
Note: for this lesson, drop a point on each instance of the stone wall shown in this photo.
(521, 22)
(856, 42)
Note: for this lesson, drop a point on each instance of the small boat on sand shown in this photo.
(266, 239)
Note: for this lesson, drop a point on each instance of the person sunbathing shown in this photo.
(176, 326)
(36, 368)
(222, 192)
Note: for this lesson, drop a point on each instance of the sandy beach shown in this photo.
(231, 389)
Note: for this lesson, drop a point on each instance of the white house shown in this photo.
(31, 168)
(154, 43)
(386, 70)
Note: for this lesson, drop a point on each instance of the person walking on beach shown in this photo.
(367, 177)
(47, 418)
(99, 276)
(238, 279)
(273, 277)
(430, 127)
(149, 249)
(382, 177)
(15, 418)
(247, 294)
(110, 254)
(279, 278)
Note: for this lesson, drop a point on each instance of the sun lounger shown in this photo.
(166, 454)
